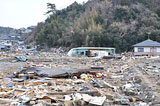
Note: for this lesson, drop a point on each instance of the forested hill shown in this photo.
(105, 23)
(5, 31)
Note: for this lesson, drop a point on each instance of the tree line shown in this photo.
(100, 23)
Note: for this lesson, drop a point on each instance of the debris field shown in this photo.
(50, 79)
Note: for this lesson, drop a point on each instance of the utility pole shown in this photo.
(148, 33)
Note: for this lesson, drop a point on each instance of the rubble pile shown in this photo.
(65, 81)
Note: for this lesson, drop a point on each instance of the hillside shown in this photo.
(105, 23)
(5, 31)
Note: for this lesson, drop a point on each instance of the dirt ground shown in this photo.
(140, 73)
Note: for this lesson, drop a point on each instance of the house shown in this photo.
(25, 30)
(91, 52)
(147, 48)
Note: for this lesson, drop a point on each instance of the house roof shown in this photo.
(94, 48)
(147, 43)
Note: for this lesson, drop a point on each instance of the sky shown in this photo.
(24, 13)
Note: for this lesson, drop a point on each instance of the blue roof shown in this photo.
(147, 43)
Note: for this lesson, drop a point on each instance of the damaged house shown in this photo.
(147, 48)
(91, 52)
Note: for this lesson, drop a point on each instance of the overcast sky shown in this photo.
(24, 13)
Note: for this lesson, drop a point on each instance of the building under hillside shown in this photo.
(147, 48)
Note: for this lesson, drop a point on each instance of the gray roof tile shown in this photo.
(147, 43)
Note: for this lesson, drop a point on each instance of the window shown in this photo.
(81, 53)
(140, 49)
(86, 53)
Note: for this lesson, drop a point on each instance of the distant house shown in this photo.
(7, 42)
(147, 48)
(91, 52)
(25, 30)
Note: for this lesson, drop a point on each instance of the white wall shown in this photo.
(146, 49)
(135, 49)
(158, 49)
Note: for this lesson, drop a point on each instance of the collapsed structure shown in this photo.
(91, 52)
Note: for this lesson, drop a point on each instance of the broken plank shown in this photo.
(70, 92)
